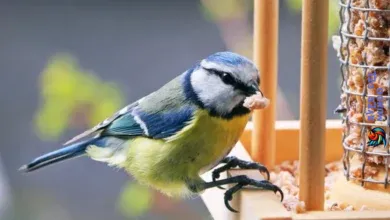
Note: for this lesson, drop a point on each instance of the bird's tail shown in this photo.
(72, 151)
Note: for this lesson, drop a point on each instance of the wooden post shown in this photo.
(266, 18)
(313, 103)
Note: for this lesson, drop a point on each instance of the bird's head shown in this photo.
(222, 81)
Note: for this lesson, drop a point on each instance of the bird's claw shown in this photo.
(232, 162)
(276, 189)
(260, 167)
(229, 196)
(264, 184)
(248, 165)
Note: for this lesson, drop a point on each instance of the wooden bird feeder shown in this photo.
(313, 140)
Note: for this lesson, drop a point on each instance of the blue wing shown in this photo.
(158, 125)
(158, 115)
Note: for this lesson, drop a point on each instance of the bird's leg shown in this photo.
(232, 162)
(240, 182)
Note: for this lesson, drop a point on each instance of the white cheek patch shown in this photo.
(213, 93)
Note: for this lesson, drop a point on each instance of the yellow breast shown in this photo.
(197, 148)
(209, 139)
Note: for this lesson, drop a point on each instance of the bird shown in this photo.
(187, 127)
(376, 137)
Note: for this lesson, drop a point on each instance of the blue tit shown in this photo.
(170, 137)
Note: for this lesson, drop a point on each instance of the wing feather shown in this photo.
(157, 125)
(103, 124)
(159, 115)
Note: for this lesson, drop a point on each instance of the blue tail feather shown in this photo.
(72, 151)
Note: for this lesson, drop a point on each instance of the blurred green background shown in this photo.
(66, 65)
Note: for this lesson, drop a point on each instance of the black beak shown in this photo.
(253, 89)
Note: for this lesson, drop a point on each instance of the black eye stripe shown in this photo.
(234, 82)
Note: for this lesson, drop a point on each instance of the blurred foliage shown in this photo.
(135, 200)
(217, 10)
(72, 96)
(296, 6)
(231, 18)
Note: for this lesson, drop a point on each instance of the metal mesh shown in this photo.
(353, 13)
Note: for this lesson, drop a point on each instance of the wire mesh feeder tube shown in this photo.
(363, 51)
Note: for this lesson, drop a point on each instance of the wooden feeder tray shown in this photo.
(259, 204)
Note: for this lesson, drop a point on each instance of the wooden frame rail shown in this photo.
(265, 55)
(287, 140)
